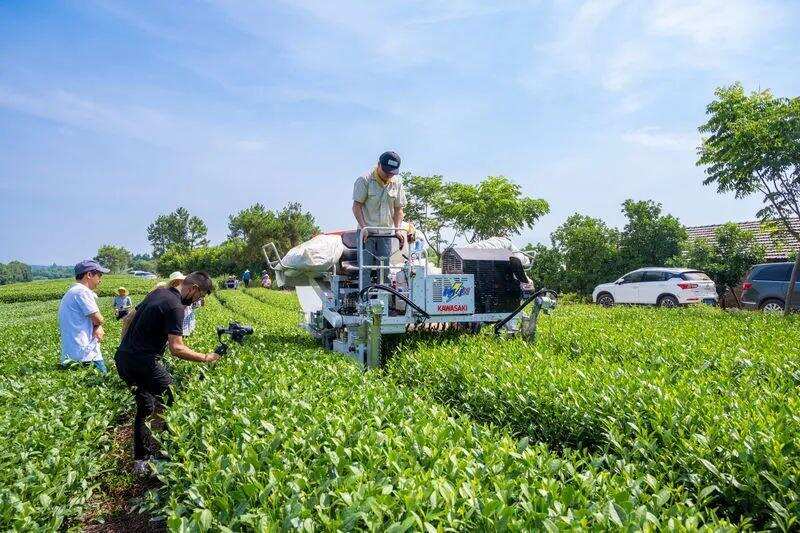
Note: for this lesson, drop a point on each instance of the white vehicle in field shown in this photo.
(664, 287)
(143, 274)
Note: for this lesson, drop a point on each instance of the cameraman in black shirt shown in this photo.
(156, 323)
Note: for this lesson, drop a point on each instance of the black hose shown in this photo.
(522, 306)
(388, 289)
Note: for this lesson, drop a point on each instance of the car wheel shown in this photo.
(773, 305)
(668, 301)
(606, 300)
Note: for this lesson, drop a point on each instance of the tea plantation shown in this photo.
(620, 419)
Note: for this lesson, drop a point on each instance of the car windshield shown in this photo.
(696, 276)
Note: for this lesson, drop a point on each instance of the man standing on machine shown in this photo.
(156, 323)
(378, 200)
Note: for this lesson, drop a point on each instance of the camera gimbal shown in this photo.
(235, 331)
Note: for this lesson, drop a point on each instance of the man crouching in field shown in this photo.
(156, 323)
(79, 320)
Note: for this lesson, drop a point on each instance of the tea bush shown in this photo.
(280, 435)
(695, 397)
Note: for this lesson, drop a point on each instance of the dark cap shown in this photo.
(89, 265)
(389, 162)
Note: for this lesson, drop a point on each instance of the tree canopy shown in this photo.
(590, 250)
(179, 230)
(727, 260)
(649, 238)
(443, 211)
(14, 272)
(256, 225)
(494, 207)
(425, 198)
(752, 146)
(115, 258)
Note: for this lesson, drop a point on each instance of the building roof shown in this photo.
(777, 244)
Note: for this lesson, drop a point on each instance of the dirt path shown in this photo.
(113, 507)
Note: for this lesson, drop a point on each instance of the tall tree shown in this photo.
(590, 251)
(143, 262)
(547, 266)
(650, 238)
(115, 258)
(425, 197)
(494, 207)
(726, 261)
(179, 230)
(752, 146)
(256, 225)
(297, 225)
(14, 272)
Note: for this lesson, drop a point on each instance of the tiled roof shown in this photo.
(777, 244)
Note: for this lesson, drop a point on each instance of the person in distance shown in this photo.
(80, 322)
(156, 323)
(122, 303)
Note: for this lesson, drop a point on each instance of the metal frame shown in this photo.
(358, 335)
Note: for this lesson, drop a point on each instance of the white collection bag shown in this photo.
(314, 256)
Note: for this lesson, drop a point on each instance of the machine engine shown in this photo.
(497, 283)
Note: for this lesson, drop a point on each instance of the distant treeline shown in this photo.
(51, 272)
(17, 271)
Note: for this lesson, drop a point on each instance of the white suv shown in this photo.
(664, 287)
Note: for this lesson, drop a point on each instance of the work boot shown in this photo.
(147, 467)
(141, 468)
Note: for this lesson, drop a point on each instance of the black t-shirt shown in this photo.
(160, 314)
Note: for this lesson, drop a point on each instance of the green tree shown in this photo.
(727, 260)
(179, 230)
(216, 260)
(14, 272)
(115, 258)
(53, 271)
(143, 262)
(493, 207)
(649, 238)
(255, 226)
(590, 250)
(752, 147)
(296, 225)
(547, 267)
(425, 196)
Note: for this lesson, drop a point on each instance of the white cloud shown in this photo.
(726, 24)
(68, 108)
(623, 46)
(654, 137)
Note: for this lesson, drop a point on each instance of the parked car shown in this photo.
(143, 274)
(664, 287)
(764, 287)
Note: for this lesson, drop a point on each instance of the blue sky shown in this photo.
(114, 112)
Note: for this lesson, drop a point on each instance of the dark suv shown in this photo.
(764, 287)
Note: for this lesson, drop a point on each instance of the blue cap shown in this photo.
(89, 265)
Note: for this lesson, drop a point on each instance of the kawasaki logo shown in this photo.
(452, 308)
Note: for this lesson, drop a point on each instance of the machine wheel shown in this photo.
(605, 299)
(772, 305)
(668, 301)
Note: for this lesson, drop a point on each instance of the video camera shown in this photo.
(235, 331)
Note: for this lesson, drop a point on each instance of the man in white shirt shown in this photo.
(79, 320)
